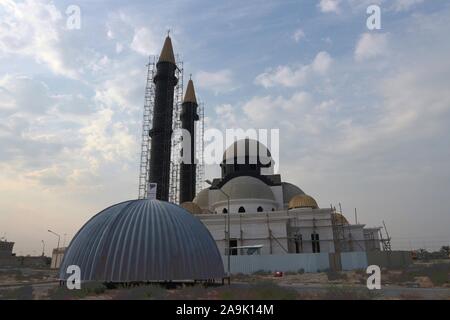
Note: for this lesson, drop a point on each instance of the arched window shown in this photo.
(241, 210)
(260, 209)
(224, 210)
(273, 209)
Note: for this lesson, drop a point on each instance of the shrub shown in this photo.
(87, 288)
(335, 275)
(348, 293)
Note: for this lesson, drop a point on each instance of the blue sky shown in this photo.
(363, 115)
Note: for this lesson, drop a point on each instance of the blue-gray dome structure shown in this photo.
(144, 240)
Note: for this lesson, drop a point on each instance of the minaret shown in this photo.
(161, 132)
(188, 170)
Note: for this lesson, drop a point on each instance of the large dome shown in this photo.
(144, 240)
(246, 187)
(248, 148)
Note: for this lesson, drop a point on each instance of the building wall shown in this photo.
(309, 262)
(250, 206)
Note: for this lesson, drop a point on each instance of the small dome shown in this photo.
(202, 199)
(339, 219)
(246, 187)
(143, 240)
(303, 201)
(191, 207)
(289, 191)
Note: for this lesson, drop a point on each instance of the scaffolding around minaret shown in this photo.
(147, 123)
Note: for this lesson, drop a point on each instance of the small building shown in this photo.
(57, 257)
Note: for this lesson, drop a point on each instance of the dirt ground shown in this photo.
(419, 281)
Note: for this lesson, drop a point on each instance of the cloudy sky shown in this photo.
(363, 115)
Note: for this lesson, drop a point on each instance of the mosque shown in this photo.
(249, 213)
(270, 216)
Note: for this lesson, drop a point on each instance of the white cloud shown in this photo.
(403, 5)
(34, 28)
(371, 45)
(295, 76)
(322, 62)
(329, 5)
(298, 35)
(218, 81)
(144, 42)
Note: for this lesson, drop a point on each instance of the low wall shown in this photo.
(353, 260)
(390, 259)
(309, 262)
(316, 262)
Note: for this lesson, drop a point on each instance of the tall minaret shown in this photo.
(161, 132)
(187, 170)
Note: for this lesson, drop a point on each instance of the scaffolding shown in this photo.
(149, 101)
(175, 153)
(199, 148)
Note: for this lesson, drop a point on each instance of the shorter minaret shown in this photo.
(188, 170)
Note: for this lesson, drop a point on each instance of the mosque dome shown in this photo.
(247, 147)
(246, 157)
(144, 240)
(192, 207)
(289, 191)
(202, 199)
(340, 219)
(247, 187)
(303, 201)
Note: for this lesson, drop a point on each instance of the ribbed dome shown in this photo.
(191, 207)
(246, 187)
(303, 201)
(144, 240)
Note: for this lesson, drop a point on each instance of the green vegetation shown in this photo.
(335, 275)
(438, 273)
(348, 293)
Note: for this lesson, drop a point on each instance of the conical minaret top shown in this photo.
(190, 93)
(167, 52)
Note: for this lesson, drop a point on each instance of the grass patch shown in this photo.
(88, 288)
(349, 293)
(438, 273)
(335, 275)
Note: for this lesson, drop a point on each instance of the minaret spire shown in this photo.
(167, 51)
(190, 93)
